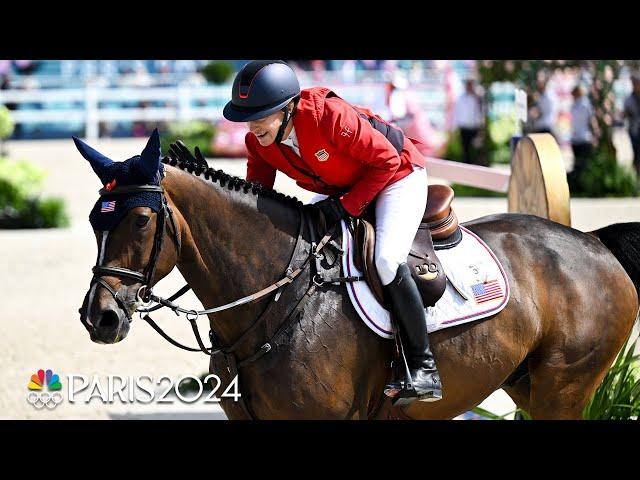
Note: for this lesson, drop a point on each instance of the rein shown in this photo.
(192, 314)
(166, 215)
(143, 304)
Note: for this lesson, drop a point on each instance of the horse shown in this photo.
(573, 303)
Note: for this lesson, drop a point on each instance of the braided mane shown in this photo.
(231, 182)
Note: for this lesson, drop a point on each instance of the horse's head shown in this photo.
(134, 249)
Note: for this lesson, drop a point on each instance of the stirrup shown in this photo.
(405, 396)
(392, 388)
(430, 396)
(402, 391)
(402, 395)
(433, 392)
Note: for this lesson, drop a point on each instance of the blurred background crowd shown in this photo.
(460, 110)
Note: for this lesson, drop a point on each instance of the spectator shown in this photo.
(396, 98)
(632, 113)
(317, 69)
(545, 108)
(583, 127)
(468, 118)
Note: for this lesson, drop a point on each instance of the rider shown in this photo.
(352, 155)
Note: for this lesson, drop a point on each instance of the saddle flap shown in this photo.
(365, 236)
(425, 266)
(439, 222)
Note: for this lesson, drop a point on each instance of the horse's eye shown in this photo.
(142, 220)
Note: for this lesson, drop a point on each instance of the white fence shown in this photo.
(90, 105)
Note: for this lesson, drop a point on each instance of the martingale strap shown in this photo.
(192, 315)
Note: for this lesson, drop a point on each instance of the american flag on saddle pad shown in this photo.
(483, 292)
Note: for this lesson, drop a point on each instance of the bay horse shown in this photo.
(573, 302)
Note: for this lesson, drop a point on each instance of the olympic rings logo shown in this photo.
(45, 399)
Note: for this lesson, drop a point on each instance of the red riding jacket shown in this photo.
(341, 153)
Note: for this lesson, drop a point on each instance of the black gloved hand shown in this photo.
(332, 210)
(179, 151)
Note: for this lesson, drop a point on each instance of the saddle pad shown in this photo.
(471, 266)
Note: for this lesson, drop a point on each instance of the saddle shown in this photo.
(439, 225)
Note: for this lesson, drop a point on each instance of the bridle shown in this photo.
(147, 298)
(165, 213)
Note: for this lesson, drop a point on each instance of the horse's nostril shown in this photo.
(109, 320)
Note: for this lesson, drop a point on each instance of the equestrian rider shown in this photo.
(331, 147)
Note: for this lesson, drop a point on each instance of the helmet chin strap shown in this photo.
(285, 122)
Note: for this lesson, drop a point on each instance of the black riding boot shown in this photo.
(408, 311)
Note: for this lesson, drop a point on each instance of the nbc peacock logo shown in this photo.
(40, 398)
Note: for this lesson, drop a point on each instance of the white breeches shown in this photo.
(399, 210)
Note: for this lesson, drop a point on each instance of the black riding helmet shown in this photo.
(261, 88)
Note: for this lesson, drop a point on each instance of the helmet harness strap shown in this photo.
(285, 122)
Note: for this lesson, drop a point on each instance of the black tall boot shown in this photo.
(408, 311)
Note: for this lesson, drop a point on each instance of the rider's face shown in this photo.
(266, 129)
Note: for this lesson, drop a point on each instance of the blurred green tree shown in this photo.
(525, 74)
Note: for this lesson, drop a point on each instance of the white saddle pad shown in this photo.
(471, 268)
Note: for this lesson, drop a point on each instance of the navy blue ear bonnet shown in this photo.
(144, 169)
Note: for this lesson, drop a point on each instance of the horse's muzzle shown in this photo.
(111, 326)
(106, 322)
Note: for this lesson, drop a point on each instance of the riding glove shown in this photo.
(332, 210)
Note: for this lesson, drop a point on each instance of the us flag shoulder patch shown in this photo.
(483, 292)
(108, 206)
(322, 155)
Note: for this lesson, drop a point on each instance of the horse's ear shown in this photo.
(98, 162)
(150, 158)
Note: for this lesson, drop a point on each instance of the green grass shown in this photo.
(21, 205)
(492, 416)
(618, 396)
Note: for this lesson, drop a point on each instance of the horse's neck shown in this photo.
(233, 244)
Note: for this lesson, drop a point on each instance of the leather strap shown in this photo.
(117, 298)
(117, 272)
(268, 346)
(155, 326)
(169, 300)
(131, 189)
